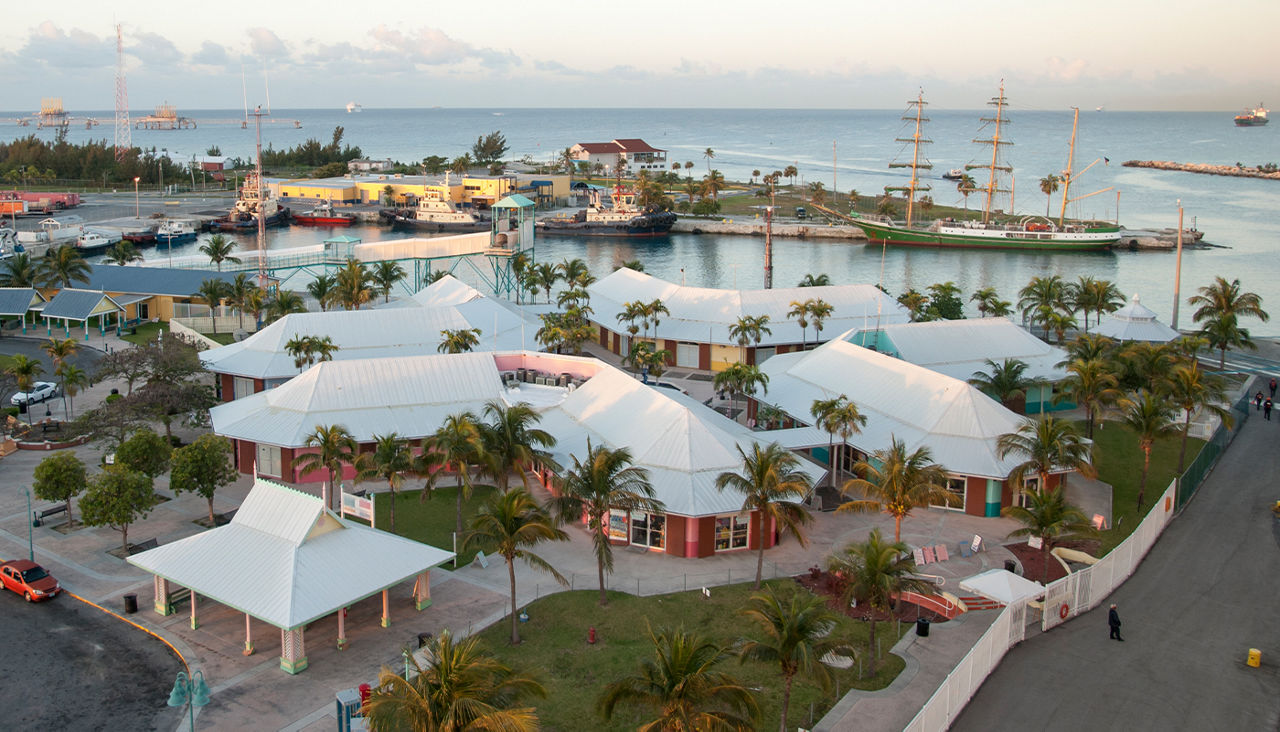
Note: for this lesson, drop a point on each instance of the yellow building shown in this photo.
(337, 190)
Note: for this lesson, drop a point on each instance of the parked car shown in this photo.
(40, 391)
(667, 385)
(801, 213)
(29, 579)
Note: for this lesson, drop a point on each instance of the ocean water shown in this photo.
(1237, 215)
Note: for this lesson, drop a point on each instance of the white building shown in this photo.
(639, 154)
(1135, 322)
(364, 165)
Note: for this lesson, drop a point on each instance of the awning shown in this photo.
(1002, 586)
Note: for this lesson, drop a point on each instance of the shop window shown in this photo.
(955, 486)
(647, 529)
(241, 387)
(269, 460)
(618, 525)
(731, 532)
(687, 355)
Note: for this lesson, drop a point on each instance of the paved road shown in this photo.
(32, 346)
(68, 666)
(1207, 592)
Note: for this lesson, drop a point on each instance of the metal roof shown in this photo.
(959, 348)
(1135, 322)
(515, 200)
(151, 280)
(71, 304)
(18, 300)
(287, 560)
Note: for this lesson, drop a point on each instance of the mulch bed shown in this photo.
(1033, 560)
(829, 586)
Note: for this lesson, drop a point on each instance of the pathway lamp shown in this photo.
(191, 691)
(31, 547)
(136, 213)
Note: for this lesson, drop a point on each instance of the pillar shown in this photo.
(195, 622)
(161, 605)
(691, 526)
(993, 498)
(342, 628)
(248, 637)
(386, 609)
(422, 591)
(293, 652)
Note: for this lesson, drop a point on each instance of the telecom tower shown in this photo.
(124, 138)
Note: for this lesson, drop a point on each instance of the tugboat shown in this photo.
(1255, 117)
(434, 214)
(954, 174)
(93, 242)
(173, 232)
(324, 215)
(622, 218)
(255, 200)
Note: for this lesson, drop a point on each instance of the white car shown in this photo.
(40, 391)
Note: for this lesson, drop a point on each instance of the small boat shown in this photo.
(434, 214)
(1255, 117)
(54, 232)
(174, 231)
(352, 107)
(622, 218)
(954, 174)
(92, 242)
(324, 215)
(254, 202)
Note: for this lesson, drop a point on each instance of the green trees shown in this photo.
(915, 302)
(489, 148)
(462, 687)
(1048, 186)
(353, 286)
(1151, 417)
(838, 416)
(461, 340)
(1191, 389)
(605, 480)
(122, 253)
(898, 481)
(945, 302)
(390, 461)
(1090, 295)
(813, 310)
(772, 485)
(309, 350)
(1050, 518)
(512, 523)
(60, 477)
(24, 370)
(18, 271)
(282, 303)
(1041, 298)
(117, 497)
(213, 291)
(1006, 381)
(144, 452)
(684, 689)
(741, 378)
(1220, 307)
(330, 446)
(220, 249)
(750, 329)
(1047, 444)
(800, 313)
(810, 280)
(202, 468)
(323, 288)
(385, 275)
(989, 303)
(712, 183)
(459, 444)
(73, 379)
(1092, 385)
(512, 441)
(61, 267)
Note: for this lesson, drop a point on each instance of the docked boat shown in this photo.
(324, 215)
(954, 174)
(1255, 117)
(621, 218)
(434, 214)
(9, 245)
(175, 231)
(93, 242)
(54, 232)
(255, 202)
(1029, 233)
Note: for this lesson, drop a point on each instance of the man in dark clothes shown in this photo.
(1273, 387)
(1257, 401)
(1266, 409)
(1113, 619)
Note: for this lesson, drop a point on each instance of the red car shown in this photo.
(28, 579)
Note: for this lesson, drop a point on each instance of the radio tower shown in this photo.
(124, 136)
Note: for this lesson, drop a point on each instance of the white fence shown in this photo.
(1078, 593)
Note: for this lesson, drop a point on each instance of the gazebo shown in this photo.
(79, 306)
(1135, 322)
(288, 561)
(17, 301)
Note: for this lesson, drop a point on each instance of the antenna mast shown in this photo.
(993, 187)
(916, 140)
(261, 213)
(124, 134)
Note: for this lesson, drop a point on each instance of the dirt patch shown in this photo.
(1033, 560)
(831, 587)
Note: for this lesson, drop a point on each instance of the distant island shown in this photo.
(1269, 171)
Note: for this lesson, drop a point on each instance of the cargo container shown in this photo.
(44, 201)
(12, 208)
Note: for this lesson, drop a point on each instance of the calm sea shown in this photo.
(1236, 214)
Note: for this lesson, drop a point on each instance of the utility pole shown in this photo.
(124, 135)
(1177, 272)
(768, 236)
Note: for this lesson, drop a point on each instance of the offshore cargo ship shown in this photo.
(1255, 117)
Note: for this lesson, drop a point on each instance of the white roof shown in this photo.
(447, 290)
(1135, 322)
(288, 560)
(682, 443)
(920, 407)
(959, 348)
(378, 333)
(1001, 586)
(702, 315)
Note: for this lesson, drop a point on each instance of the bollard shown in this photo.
(1255, 657)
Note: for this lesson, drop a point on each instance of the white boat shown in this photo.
(954, 174)
(54, 231)
(353, 107)
(92, 242)
(175, 231)
(435, 214)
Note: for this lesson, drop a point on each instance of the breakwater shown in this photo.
(756, 228)
(1204, 169)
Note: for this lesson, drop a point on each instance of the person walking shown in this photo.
(1266, 409)
(1272, 386)
(1113, 619)
(1257, 401)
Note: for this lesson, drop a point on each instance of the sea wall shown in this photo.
(1203, 169)
(756, 228)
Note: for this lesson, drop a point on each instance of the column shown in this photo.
(994, 489)
(161, 605)
(342, 628)
(691, 526)
(422, 591)
(248, 637)
(386, 609)
(293, 652)
(195, 622)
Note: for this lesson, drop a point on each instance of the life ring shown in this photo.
(1064, 611)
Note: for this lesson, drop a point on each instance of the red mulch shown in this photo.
(1033, 560)
(829, 586)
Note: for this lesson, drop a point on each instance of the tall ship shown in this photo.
(435, 214)
(1255, 117)
(1027, 233)
(255, 201)
(622, 217)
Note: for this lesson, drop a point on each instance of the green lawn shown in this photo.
(554, 648)
(146, 332)
(1119, 463)
(431, 521)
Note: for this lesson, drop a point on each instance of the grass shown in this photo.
(145, 332)
(434, 520)
(554, 648)
(1119, 463)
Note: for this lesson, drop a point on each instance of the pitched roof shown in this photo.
(18, 300)
(959, 348)
(1135, 322)
(288, 560)
(72, 304)
(636, 145)
(151, 280)
(515, 200)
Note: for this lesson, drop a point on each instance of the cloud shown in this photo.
(1068, 70)
(426, 46)
(265, 43)
(54, 48)
(151, 48)
(211, 54)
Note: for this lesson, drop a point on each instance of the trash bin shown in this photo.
(423, 639)
(922, 627)
(1010, 566)
(130, 604)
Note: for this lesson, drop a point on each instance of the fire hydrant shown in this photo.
(591, 635)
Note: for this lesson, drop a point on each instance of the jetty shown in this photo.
(1205, 169)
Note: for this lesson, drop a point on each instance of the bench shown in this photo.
(51, 426)
(144, 546)
(37, 519)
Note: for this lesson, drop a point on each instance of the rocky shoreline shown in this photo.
(1203, 169)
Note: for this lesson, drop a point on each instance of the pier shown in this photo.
(1205, 169)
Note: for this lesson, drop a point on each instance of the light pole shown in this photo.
(189, 690)
(136, 213)
(31, 547)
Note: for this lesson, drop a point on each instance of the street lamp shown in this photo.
(189, 689)
(136, 213)
(31, 547)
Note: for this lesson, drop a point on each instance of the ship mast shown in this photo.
(1069, 175)
(916, 140)
(999, 120)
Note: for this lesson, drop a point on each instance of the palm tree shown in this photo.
(284, 302)
(605, 481)
(574, 272)
(461, 688)
(708, 154)
(567, 159)
(1048, 186)
(898, 481)
(323, 288)
(59, 351)
(986, 297)
(73, 378)
(1150, 416)
(681, 684)
(1050, 518)
(1048, 444)
(24, 370)
(800, 312)
(62, 267)
(653, 312)
(772, 485)
(238, 294)
(513, 442)
(875, 572)
(353, 285)
(1060, 322)
(796, 632)
(1190, 389)
(510, 523)
(219, 249)
(459, 444)
(632, 264)
(461, 340)
(546, 276)
(385, 275)
(819, 311)
(300, 347)
(754, 174)
(122, 253)
(1092, 385)
(1221, 305)
(810, 280)
(391, 460)
(966, 185)
(254, 302)
(818, 193)
(18, 271)
(1106, 298)
(332, 446)
(791, 172)
(213, 291)
(837, 416)
(1006, 381)
(915, 302)
(741, 378)
(1145, 364)
(1088, 347)
(1041, 296)
(713, 183)
(748, 329)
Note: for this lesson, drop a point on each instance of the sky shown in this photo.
(1120, 54)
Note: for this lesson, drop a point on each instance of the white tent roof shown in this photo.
(702, 315)
(958, 423)
(958, 348)
(445, 305)
(1001, 586)
(288, 560)
(1135, 322)
(447, 290)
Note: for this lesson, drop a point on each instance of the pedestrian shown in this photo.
(1113, 619)
(1266, 409)
(1272, 385)
(1257, 401)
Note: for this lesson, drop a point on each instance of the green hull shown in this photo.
(1096, 239)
